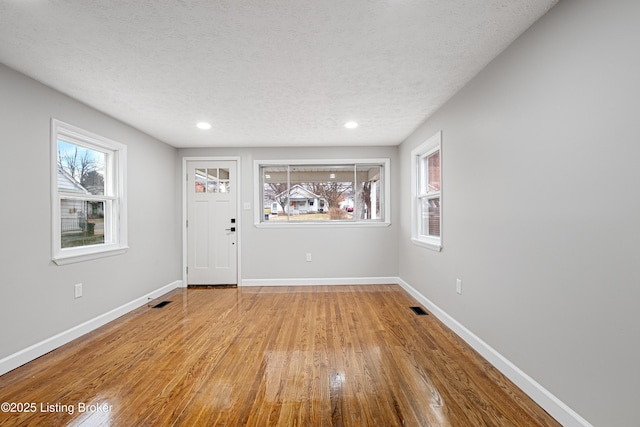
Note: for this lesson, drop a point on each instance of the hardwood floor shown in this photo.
(259, 356)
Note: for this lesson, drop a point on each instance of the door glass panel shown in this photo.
(212, 181)
(201, 180)
(225, 184)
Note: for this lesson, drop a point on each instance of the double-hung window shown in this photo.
(89, 216)
(426, 212)
(322, 192)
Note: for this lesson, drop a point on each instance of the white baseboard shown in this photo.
(43, 347)
(550, 403)
(323, 281)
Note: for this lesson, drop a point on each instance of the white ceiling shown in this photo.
(263, 72)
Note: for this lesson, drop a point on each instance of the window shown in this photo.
(426, 212)
(88, 195)
(212, 180)
(322, 192)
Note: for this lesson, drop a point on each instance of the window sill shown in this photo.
(434, 245)
(277, 224)
(85, 254)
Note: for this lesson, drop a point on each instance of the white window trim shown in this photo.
(304, 224)
(429, 146)
(90, 140)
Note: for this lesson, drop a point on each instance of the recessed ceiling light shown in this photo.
(351, 125)
(203, 125)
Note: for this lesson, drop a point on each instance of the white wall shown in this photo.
(541, 207)
(349, 252)
(37, 296)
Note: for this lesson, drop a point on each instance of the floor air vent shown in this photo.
(419, 311)
(161, 304)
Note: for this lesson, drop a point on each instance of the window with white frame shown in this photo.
(295, 193)
(89, 216)
(426, 180)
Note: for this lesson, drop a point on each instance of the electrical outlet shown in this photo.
(78, 290)
(459, 286)
(308, 257)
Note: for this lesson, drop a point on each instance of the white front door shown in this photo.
(212, 223)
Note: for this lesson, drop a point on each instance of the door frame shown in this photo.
(239, 225)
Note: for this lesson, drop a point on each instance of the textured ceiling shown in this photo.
(262, 72)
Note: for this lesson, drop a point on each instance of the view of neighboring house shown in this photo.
(301, 201)
(81, 220)
(73, 213)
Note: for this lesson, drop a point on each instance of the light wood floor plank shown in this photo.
(264, 356)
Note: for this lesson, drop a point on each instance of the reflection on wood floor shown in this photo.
(307, 356)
